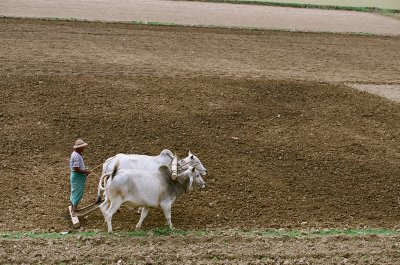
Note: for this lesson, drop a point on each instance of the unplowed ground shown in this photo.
(284, 146)
(211, 14)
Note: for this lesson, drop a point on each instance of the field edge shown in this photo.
(313, 6)
(165, 232)
(201, 26)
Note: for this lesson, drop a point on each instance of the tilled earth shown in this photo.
(211, 249)
(286, 144)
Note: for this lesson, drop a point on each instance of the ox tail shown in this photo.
(115, 170)
(102, 185)
(107, 163)
(104, 179)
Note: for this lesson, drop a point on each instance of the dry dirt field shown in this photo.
(286, 143)
(203, 13)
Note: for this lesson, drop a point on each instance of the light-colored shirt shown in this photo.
(76, 161)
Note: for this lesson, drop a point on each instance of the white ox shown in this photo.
(138, 188)
(149, 163)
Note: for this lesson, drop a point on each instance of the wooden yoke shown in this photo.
(174, 168)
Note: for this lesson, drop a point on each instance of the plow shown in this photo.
(81, 212)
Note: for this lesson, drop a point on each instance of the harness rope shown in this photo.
(179, 163)
(103, 176)
(108, 160)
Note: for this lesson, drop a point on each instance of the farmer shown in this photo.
(78, 174)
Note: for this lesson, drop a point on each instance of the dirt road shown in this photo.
(195, 13)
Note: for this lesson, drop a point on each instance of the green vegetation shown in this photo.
(327, 232)
(356, 232)
(139, 233)
(302, 5)
(176, 232)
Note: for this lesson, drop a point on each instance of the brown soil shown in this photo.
(281, 152)
(284, 148)
(215, 249)
(195, 13)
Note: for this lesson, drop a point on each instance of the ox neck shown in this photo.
(185, 185)
(183, 163)
(189, 185)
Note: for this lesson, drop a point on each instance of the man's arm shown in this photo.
(77, 169)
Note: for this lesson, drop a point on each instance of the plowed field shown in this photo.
(286, 144)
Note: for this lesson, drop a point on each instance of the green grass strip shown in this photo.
(357, 232)
(327, 232)
(156, 232)
(139, 233)
(298, 5)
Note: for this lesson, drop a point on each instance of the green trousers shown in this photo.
(78, 181)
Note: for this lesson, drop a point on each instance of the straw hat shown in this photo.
(79, 143)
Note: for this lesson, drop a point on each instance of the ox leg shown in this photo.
(167, 213)
(115, 204)
(143, 214)
(104, 207)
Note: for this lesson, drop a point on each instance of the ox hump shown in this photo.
(166, 152)
(165, 170)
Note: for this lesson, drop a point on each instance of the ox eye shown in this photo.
(191, 157)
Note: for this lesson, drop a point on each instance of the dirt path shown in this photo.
(389, 4)
(194, 13)
(391, 92)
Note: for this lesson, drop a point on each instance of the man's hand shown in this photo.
(86, 172)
